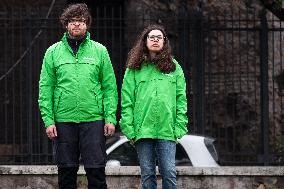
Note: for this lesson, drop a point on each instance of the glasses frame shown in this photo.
(80, 21)
(156, 38)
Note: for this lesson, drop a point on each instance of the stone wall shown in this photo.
(45, 177)
(140, 13)
(232, 66)
(238, 104)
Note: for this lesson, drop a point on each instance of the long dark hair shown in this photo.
(139, 53)
(79, 10)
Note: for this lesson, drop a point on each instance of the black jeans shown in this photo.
(67, 178)
(85, 140)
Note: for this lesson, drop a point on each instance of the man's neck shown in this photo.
(74, 42)
(75, 37)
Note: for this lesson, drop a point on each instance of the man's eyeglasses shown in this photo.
(78, 21)
(155, 37)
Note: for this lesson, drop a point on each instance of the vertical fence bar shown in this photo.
(264, 89)
(12, 95)
(184, 54)
(5, 81)
(210, 76)
(28, 95)
(46, 32)
(198, 63)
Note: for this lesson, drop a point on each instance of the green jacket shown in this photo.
(77, 88)
(153, 104)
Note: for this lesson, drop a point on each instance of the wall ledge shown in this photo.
(134, 170)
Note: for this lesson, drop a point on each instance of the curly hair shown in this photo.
(139, 53)
(79, 10)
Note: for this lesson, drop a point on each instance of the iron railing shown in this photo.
(230, 64)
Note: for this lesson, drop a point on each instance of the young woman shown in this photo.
(154, 106)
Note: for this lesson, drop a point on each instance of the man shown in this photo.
(78, 100)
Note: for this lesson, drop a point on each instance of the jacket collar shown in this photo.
(65, 42)
(65, 35)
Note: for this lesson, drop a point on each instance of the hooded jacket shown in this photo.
(154, 104)
(77, 87)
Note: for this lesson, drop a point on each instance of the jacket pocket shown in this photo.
(167, 81)
(57, 98)
(137, 116)
(98, 102)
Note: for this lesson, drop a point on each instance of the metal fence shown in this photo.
(230, 66)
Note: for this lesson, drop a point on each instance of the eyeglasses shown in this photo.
(78, 21)
(155, 37)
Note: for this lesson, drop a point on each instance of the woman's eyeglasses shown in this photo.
(155, 37)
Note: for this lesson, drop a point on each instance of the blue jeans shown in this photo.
(150, 150)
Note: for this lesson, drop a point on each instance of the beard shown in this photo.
(76, 33)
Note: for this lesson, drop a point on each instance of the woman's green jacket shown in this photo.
(154, 104)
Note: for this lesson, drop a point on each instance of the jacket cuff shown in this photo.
(131, 137)
(180, 130)
(110, 120)
(48, 123)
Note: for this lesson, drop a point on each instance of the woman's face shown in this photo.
(155, 41)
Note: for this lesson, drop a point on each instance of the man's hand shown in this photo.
(109, 129)
(51, 132)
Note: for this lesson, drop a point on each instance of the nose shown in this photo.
(76, 23)
(156, 39)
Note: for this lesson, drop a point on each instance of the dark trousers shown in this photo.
(80, 139)
(67, 178)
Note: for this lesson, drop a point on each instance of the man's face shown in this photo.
(76, 27)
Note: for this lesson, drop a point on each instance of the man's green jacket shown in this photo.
(154, 104)
(77, 88)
